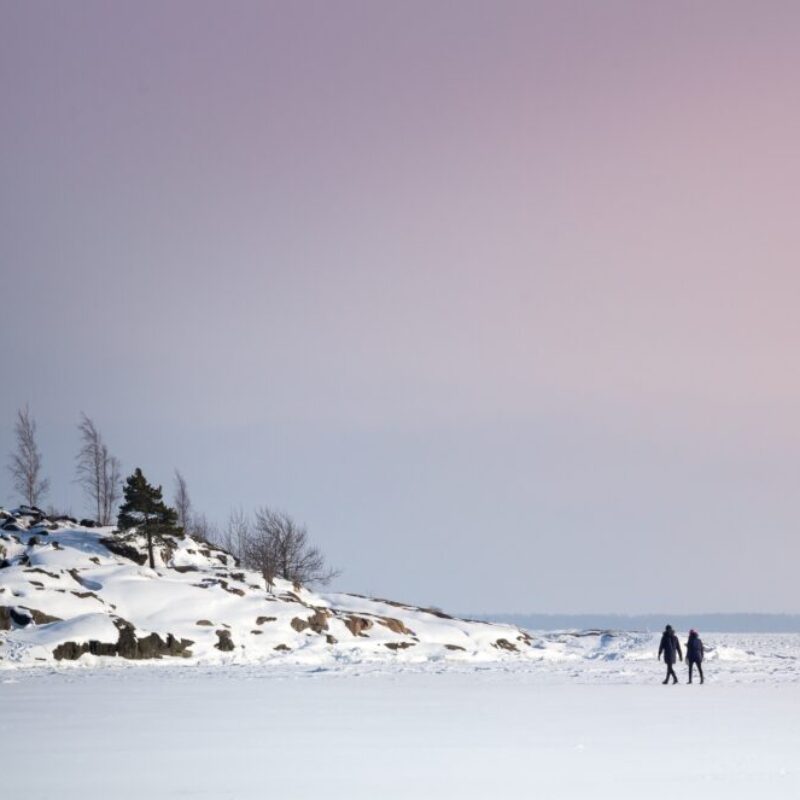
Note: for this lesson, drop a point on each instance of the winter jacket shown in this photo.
(694, 649)
(670, 647)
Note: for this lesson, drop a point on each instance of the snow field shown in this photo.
(243, 733)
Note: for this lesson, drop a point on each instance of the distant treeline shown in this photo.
(717, 623)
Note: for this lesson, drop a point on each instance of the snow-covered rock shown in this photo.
(71, 593)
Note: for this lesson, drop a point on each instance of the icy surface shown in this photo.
(404, 731)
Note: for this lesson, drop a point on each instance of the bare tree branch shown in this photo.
(237, 533)
(112, 486)
(26, 461)
(182, 502)
(97, 471)
(203, 530)
(278, 546)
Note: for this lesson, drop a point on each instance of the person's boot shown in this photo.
(665, 681)
(674, 681)
(690, 681)
(702, 680)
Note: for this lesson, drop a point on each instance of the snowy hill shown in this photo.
(70, 593)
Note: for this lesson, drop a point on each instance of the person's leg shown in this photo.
(666, 680)
(700, 670)
(691, 664)
(672, 673)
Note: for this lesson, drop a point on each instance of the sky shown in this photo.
(498, 298)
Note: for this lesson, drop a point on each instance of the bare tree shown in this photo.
(204, 530)
(237, 533)
(182, 502)
(112, 486)
(277, 545)
(260, 552)
(26, 461)
(97, 471)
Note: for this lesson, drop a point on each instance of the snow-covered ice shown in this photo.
(593, 729)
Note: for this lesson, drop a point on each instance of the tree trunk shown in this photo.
(150, 546)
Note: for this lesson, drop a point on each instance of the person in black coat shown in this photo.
(694, 654)
(670, 647)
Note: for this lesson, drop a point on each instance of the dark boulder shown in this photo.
(102, 648)
(120, 548)
(126, 646)
(71, 651)
(225, 642)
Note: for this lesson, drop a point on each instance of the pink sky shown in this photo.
(565, 232)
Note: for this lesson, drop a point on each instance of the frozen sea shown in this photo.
(590, 719)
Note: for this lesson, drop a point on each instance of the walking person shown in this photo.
(670, 647)
(694, 654)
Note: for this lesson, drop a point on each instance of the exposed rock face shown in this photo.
(262, 620)
(225, 642)
(119, 548)
(71, 651)
(357, 625)
(84, 595)
(317, 622)
(23, 616)
(43, 572)
(126, 646)
(396, 626)
(437, 612)
(504, 644)
(153, 646)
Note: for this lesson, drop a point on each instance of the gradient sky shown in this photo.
(501, 299)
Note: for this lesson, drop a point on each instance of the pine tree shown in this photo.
(145, 509)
